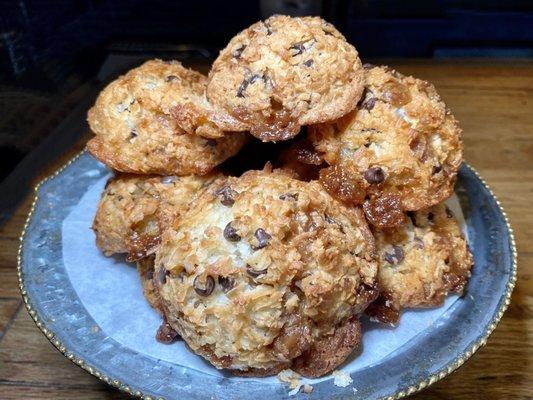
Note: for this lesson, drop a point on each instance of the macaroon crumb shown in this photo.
(307, 389)
(294, 381)
(290, 377)
(341, 379)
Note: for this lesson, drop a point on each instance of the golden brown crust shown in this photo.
(156, 120)
(145, 268)
(401, 141)
(124, 202)
(283, 73)
(328, 352)
(134, 210)
(270, 261)
(420, 263)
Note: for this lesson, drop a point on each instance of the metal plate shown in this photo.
(58, 312)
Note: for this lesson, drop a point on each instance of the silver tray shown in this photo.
(58, 312)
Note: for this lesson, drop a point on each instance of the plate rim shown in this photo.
(401, 393)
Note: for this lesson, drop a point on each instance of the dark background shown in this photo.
(55, 55)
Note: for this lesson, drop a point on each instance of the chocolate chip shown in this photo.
(367, 145)
(430, 216)
(166, 334)
(368, 66)
(308, 63)
(253, 273)
(208, 287)
(133, 134)
(171, 78)
(449, 212)
(211, 142)
(374, 175)
(168, 179)
(266, 80)
(226, 283)
(289, 196)
(395, 256)
(412, 217)
(268, 28)
(162, 275)
(120, 197)
(255, 77)
(328, 219)
(369, 104)
(436, 169)
(298, 48)
(230, 233)
(245, 83)
(262, 237)
(419, 243)
(237, 53)
(227, 195)
(242, 88)
(368, 100)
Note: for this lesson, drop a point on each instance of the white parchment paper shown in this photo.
(110, 290)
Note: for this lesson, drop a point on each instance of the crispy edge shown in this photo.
(329, 352)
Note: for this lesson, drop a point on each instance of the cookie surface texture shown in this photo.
(401, 143)
(156, 120)
(261, 268)
(420, 263)
(283, 73)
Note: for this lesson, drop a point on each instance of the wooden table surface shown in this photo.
(493, 100)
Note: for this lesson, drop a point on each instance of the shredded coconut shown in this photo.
(341, 379)
(290, 377)
(307, 388)
(294, 381)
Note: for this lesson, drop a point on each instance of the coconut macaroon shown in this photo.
(420, 263)
(156, 120)
(283, 73)
(134, 210)
(262, 269)
(400, 149)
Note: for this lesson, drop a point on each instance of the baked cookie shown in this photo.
(156, 120)
(283, 73)
(420, 263)
(145, 268)
(261, 269)
(134, 210)
(401, 148)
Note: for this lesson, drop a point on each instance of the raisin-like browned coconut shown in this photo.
(400, 142)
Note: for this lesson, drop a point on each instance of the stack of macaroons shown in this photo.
(263, 270)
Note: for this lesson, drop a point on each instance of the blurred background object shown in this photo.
(56, 55)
